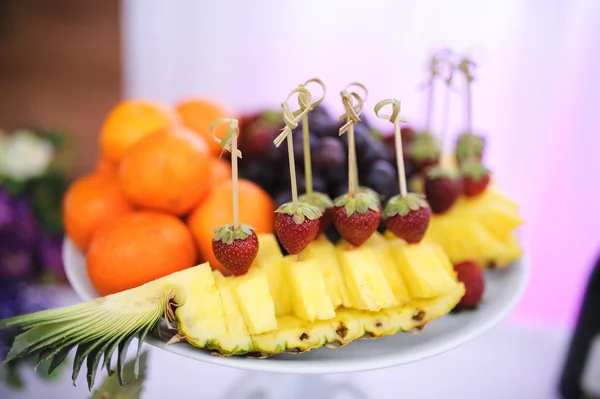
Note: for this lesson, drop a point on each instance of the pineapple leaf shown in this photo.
(110, 387)
(96, 328)
(123, 347)
(59, 357)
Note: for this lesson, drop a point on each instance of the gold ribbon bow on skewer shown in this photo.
(226, 142)
(304, 100)
(465, 66)
(290, 118)
(394, 117)
(352, 114)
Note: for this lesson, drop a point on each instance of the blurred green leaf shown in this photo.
(111, 389)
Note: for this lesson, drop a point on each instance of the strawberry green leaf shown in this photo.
(469, 144)
(227, 234)
(441, 173)
(360, 203)
(474, 169)
(300, 211)
(320, 200)
(402, 206)
(424, 146)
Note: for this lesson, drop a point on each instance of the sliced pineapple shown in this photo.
(387, 263)
(310, 300)
(202, 315)
(237, 333)
(237, 314)
(425, 275)
(273, 263)
(350, 324)
(364, 277)
(255, 301)
(323, 251)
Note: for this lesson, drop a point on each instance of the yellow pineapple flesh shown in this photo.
(364, 277)
(255, 301)
(273, 263)
(323, 251)
(237, 314)
(425, 275)
(310, 300)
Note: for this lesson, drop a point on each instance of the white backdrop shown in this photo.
(536, 96)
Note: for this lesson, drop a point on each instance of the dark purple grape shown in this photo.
(275, 156)
(319, 183)
(329, 155)
(373, 150)
(51, 254)
(283, 197)
(298, 140)
(258, 171)
(338, 190)
(383, 178)
(27, 227)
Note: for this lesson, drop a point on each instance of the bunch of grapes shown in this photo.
(267, 165)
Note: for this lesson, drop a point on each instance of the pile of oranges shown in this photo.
(158, 191)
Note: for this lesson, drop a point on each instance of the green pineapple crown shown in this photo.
(398, 205)
(360, 202)
(228, 233)
(300, 211)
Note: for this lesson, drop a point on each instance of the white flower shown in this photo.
(23, 155)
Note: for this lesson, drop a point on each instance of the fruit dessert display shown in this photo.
(319, 294)
(471, 220)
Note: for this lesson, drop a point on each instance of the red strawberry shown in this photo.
(235, 248)
(407, 217)
(476, 178)
(469, 273)
(356, 218)
(325, 205)
(424, 152)
(297, 225)
(442, 188)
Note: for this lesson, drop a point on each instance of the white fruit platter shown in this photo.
(504, 288)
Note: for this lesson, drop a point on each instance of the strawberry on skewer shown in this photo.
(320, 200)
(296, 222)
(357, 214)
(469, 147)
(406, 215)
(234, 245)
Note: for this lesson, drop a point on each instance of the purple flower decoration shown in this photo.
(51, 254)
(7, 214)
(16, 263)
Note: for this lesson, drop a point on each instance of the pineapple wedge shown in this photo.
(425, 275)
(272, 262)
(323, 251)
(364, 277)
(239, 340)
(310, 300)
(236, 315)
(255, 301)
